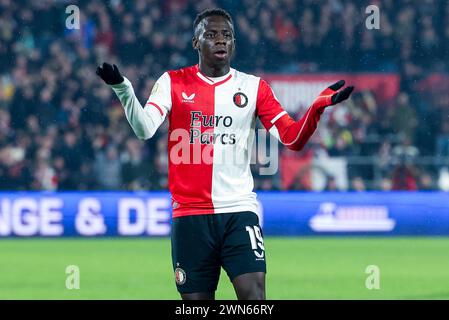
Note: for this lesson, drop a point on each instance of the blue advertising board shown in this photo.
(103, 214)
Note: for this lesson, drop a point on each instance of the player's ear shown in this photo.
(195, 43)
(233, 49)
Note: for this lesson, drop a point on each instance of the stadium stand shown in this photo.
(61, 128)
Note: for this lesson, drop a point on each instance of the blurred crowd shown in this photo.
(61, 128)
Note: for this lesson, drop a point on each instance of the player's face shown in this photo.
(215, 41)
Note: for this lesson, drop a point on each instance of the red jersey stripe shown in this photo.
(159, 108)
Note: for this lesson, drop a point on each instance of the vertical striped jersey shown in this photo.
(211, 132)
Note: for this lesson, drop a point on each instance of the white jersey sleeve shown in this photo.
(145, 120)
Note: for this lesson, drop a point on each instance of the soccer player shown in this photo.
(211, 109)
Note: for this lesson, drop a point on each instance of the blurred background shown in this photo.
(377, 164)
(61, 128)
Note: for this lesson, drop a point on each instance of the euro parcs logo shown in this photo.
(334, 218)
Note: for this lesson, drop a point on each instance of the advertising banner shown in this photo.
(110, 214)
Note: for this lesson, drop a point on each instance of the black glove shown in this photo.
(340, 95)
(330, 96)
(109, 74)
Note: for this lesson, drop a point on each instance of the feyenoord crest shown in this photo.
(240, 99)
(180, 276)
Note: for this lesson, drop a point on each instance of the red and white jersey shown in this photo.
(211, 132)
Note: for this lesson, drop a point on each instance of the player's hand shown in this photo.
(109, 74)
(341, 95)
(331, 95)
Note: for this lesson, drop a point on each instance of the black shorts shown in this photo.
(202, 244)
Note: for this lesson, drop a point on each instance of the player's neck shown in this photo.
(213, 71)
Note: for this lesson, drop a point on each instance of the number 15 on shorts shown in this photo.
(255, 236)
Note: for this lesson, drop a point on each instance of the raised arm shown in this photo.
(143, 120)
(295, 134)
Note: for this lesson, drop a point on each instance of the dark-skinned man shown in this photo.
(211, 109)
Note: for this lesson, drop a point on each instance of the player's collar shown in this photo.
(214, 81)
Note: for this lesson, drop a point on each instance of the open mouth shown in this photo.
(221, 54)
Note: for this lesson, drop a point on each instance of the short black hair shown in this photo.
(212, 12)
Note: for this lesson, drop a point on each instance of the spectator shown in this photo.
(107, 168)
(426, 182)
(442, 142)
(75, 133)
(357, 184)
(135, 170)
(404, 177)
(404, 125)
(386, 184)
(331, 184)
